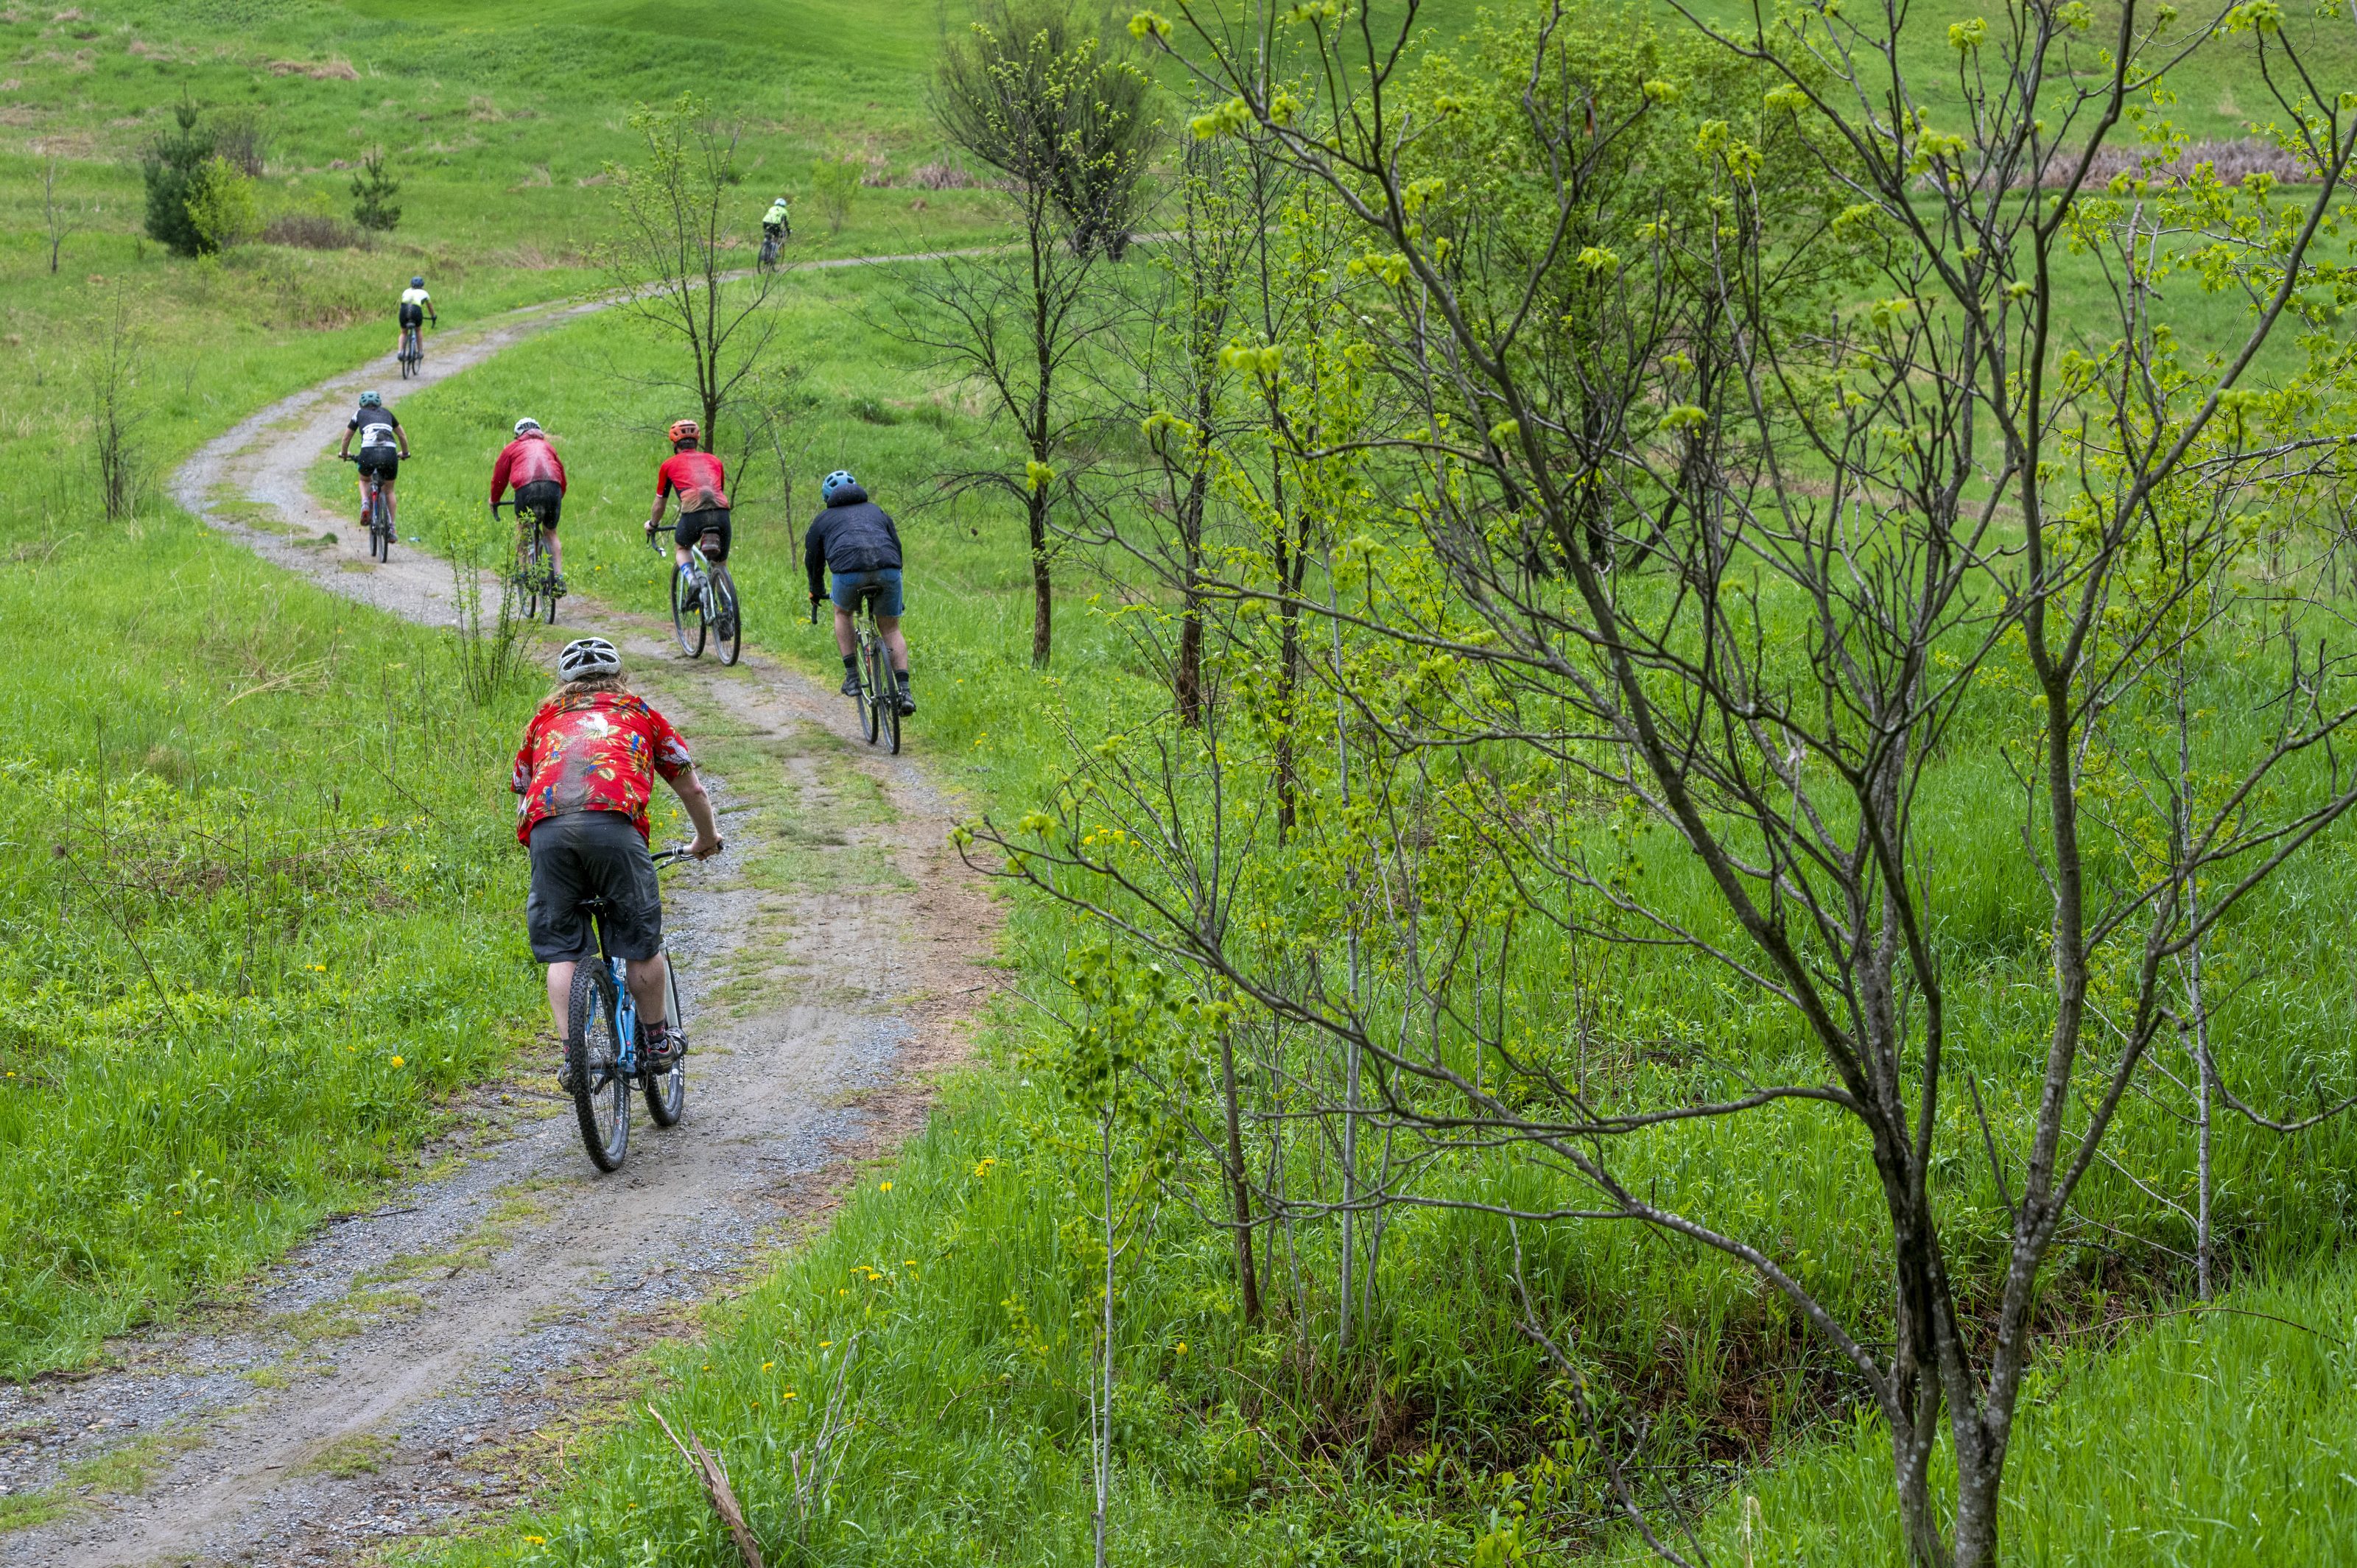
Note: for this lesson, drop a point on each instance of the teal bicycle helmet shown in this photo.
(371, 400)
(834, 484)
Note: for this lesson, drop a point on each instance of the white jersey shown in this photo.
(416, 296)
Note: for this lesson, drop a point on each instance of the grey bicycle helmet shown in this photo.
(526, 425)
(371, 400)
(836, 483)
(585, 657)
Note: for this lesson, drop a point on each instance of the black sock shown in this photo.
(903, 675)
(848, 661)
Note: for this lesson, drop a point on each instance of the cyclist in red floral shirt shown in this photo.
(586, 771)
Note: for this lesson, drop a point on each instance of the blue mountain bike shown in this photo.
(606, 1048)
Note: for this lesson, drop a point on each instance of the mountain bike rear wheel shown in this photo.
(667, 1092)
(686, 624)
(380, 527)
(727, 617)
(601, 1095)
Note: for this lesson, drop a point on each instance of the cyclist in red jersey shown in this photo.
(529, 463)
(701, 483)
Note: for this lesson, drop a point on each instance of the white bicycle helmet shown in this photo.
(586, 657)
(527, 424)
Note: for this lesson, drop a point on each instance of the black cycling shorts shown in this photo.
(694, 525)
(592, 854)
(384, 462)
(413, 315)
(546, 497)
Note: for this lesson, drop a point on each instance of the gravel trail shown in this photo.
(408, 1368)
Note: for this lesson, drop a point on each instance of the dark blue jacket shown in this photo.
(854, 534)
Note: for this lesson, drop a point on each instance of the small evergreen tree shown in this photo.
(174, 167)
(373, 194)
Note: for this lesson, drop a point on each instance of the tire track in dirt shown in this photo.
(405, 1370)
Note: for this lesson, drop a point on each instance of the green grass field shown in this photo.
(235, 859)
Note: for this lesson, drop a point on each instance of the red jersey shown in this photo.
(698, 477)
(526, 459)
(596, 752)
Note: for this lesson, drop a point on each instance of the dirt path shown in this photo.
(407, 1368)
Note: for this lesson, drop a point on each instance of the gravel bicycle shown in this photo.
(704, 602)
(413, 352)
(533, 582)
(605, 1047)
(878, 691)
(769, 250)
(377, 507)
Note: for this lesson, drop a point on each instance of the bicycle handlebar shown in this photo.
(678, 852)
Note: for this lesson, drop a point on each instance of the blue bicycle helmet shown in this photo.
(417, 283)
(834, 484)
(371, 400)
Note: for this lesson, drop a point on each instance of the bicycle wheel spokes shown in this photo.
(728, 616)
(686, 624)
(871, 714)
(601, 1095)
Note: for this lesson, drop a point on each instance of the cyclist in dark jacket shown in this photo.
(853, 539)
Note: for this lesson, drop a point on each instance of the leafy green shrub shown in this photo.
(835, 183)
(221, 205)
(173, 166)
(373, 194)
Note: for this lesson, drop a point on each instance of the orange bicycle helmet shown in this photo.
(685, 430)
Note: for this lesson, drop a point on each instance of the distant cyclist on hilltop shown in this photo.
(417, 310)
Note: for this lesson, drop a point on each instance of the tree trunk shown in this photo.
(1187, 678)
(1239, 1183)
(1042, 602)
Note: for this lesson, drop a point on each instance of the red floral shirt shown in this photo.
(596, 752)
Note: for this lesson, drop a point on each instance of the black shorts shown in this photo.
(413, 315)
(384, 462)
(591, 854)
(694, 525)
(546, 497)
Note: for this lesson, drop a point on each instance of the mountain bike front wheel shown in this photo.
(601, 1095)
(871, 693)
(726, 616)
(667, 1092)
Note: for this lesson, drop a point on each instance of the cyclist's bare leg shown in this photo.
(846, 639)
(894, 642)
(389, 515)
(646, 978)
(556, 551)
(560, 995)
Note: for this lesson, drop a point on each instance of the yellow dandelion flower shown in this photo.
(883, 1187)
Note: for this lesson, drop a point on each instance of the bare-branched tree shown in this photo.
(1018, 324)
(1693, 540)
(1035, 92)
(670, 250)
(61, 216)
